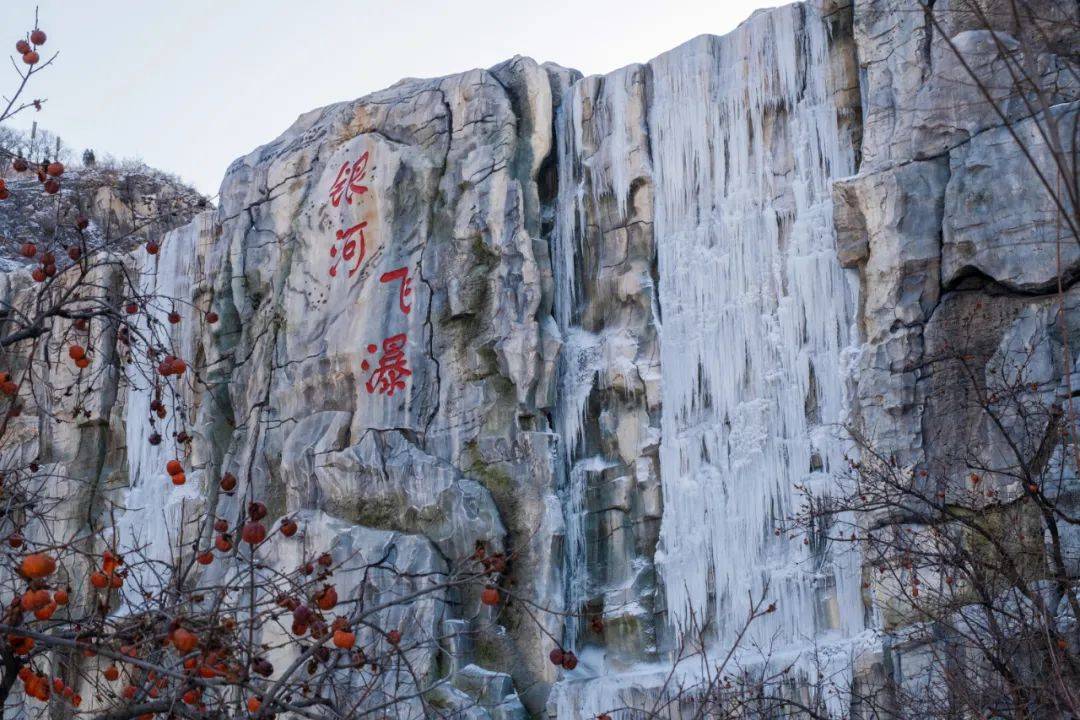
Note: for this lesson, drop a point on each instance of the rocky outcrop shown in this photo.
(959, 249)
(125, 205)
(606, 325)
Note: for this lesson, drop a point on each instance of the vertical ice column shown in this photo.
(604, 301)
(756, 313)
(576, 366)
(154, 506)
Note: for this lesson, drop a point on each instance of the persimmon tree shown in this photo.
(970, 556)
(89, 628)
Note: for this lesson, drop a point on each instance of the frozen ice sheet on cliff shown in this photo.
(736, 141)
(757, 312)
(156, 511)
(673, 693)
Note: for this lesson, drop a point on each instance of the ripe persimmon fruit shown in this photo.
(344, 639)
(38, 565)
(327, 598)
(253, 533)
(44, 613)
(184, 640)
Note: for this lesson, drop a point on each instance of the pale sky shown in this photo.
(189, 85)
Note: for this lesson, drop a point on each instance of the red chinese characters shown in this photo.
(349, 239)
(387, 370)
(405, 290)
(348, 180)
(349, 185)
(389, 376)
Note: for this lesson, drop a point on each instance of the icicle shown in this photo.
(154, 506)
(596, 128)
(756, 314)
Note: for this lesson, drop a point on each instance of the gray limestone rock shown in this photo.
(1001, 218)
(442, 328)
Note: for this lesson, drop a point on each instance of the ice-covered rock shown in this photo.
(607, 325)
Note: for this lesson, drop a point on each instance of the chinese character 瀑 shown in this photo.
(405, 290)
(389, 375)
(348, 181)
(348, 248)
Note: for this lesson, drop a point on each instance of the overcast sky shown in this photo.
(189, 85)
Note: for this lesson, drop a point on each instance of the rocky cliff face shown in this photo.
(607, 324)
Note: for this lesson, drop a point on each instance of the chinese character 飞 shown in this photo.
(405, 290)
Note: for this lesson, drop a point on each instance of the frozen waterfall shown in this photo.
(157, 515)
(757, 316)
